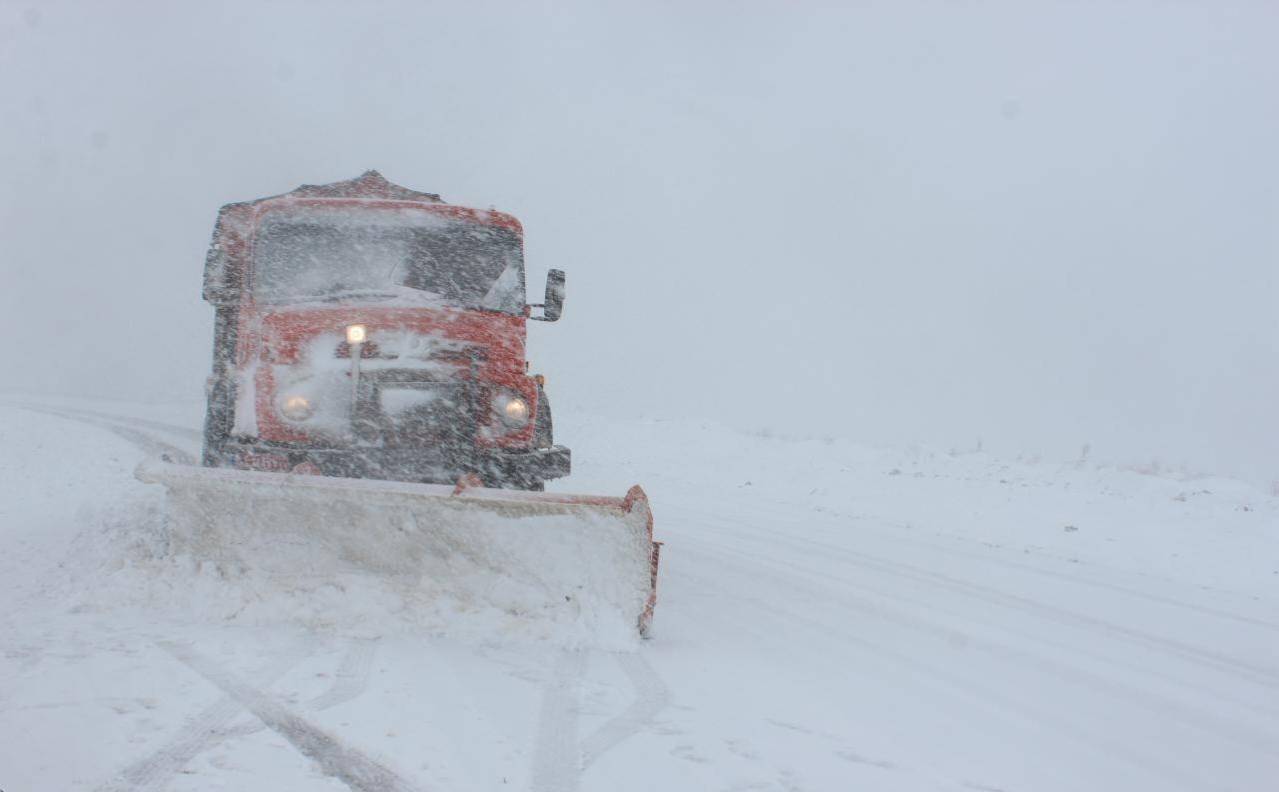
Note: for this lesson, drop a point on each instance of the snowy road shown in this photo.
(831, 617)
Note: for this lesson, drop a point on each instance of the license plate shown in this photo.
(271, 463)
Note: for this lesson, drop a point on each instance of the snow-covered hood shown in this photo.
(394, 333)
(306, 348)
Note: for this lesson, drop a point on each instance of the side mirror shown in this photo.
(553, 303)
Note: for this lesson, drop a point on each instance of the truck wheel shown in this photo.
(543, 426)
(217, 423)
(516, 482)
(542, 437)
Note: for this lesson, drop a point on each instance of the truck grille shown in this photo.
(402, 408)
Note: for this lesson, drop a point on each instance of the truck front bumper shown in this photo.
(496, 467)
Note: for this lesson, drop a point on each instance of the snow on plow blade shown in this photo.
(569, 557)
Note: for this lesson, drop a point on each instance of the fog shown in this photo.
(1030, 227)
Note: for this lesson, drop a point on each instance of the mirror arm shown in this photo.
(539, 318)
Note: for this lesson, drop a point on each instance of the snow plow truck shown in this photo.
(370, 411)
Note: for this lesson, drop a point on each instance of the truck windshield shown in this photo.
(384, 254)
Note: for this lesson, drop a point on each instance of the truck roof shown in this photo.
(225, 263)
(369, 184)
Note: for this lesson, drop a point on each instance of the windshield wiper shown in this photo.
(342, 295)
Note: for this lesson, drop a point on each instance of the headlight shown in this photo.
(355, 334)
(296, 408)
(513, 410)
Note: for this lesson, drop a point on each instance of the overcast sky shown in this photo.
(1032, 224)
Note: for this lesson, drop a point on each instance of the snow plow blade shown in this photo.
(569, 557)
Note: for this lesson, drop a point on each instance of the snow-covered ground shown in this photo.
(831, 617)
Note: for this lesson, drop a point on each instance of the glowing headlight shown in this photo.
(514, 410)
(355, 334)
(296, 408)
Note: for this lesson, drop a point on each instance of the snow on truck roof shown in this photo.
(236, 220)
(369, 184)
(373, 186)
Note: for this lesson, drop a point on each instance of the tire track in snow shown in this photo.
(331, 755)
(978, 693)
(200, 733)
(1159, 705)
(352, 676)
(651, 697)
(349, 682)
(1204, 657)
(141, 423)
(1241, 668)
(876, 522)
(557, 760)
(148, 444)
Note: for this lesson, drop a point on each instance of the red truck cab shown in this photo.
(366, 330)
